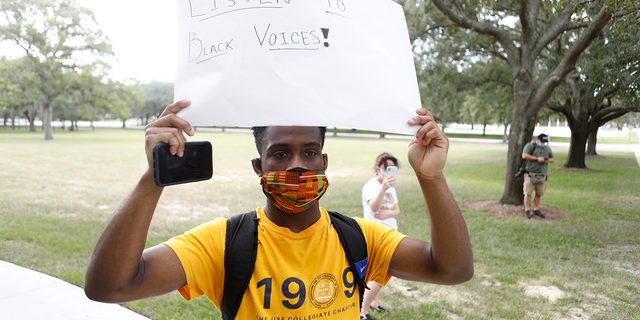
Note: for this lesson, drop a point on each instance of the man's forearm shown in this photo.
(451, 247)
(115, 260)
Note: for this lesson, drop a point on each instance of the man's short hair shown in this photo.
(383, 158)
(260, 132)
(543, 137)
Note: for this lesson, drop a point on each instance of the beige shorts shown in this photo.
(529, 187)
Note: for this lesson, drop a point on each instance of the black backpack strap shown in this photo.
(355, 247)
(241, 249)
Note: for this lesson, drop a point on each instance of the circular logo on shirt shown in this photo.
(324, 291)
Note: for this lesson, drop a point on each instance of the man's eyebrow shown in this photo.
(309, 144)
(278, 145)
(287, 145)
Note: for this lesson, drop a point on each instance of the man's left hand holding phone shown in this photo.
(172, 158)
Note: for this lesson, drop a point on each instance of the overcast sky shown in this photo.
(142, 33)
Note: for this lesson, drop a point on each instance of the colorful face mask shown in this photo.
(294, 191)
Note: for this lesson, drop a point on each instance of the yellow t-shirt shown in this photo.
(297, 275)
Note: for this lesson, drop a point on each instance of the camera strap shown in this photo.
(524, 163)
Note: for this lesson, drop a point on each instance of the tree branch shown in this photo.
(528, 14)
(613, 112)
(624, 13)
(562, 24)
(483, 28)
(494, 52)
(557, 107)
(569, 60)
(564, 109)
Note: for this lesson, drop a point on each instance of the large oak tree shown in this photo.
(603, 87)
(52, 34)
(522, 42)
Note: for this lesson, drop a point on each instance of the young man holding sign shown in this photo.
(300, 269)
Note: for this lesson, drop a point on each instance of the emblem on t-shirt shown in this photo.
(387, 202)
(324, 291)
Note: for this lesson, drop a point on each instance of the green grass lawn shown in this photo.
(56, 196)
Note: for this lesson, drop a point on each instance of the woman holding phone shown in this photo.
(380, 203)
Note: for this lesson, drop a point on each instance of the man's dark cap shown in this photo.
(543, 137)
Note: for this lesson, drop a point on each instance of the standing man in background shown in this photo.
(538, 156)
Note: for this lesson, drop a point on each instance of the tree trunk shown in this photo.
(31, 117)
(124, 124)
(522, 126)
(12, 115)
(47, 111)
(505, 133)
(591, 145)
(484, 128)
(575, 158)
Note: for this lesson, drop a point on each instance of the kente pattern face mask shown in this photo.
(294, 191)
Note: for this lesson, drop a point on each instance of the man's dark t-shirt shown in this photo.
(539, 151)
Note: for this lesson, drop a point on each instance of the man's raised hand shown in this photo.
(428, 149)
(169, 129)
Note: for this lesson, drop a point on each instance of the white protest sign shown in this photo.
(334, 63)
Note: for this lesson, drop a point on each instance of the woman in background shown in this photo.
(380, 203)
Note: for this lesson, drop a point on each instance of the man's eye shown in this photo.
(279, 154)
(311, 153)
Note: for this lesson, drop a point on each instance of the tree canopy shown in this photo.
(603, 87)
(61, 69)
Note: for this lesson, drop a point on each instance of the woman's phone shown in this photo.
(195, 165)
(393, 171)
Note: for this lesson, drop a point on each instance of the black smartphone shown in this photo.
(195, 165)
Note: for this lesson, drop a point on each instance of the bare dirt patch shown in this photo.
(497, 210)
(552, 293)
(621, 258)
(429, 293)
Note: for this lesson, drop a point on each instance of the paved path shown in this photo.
(31, 295)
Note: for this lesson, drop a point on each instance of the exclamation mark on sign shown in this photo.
(325, 33)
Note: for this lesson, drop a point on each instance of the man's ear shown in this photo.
(325, 159)
(257, 166)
